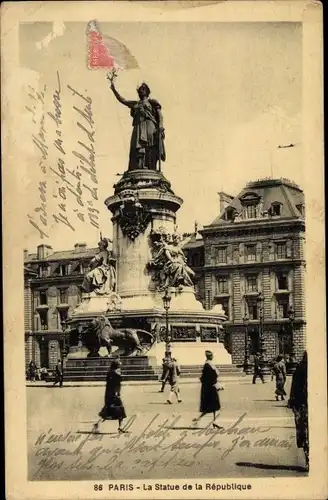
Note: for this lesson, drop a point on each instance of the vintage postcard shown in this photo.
(163, 228)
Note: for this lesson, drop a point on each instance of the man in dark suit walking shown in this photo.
(258, 368)
(59, 377)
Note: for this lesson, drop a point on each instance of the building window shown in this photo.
(222, 255)
(251, 253)
(282, 281)
(43, 271)
(44, 320)
(253, 311)
(251, 283)
(251, 211)
(223, 285)
(275, 209)
(285, 340)
(281, 250)
(282, 308)
(43, 299)
(224, 302)
(254, 342)
(63, 296)
(63, 270)
(300, 208)
(231, 214)
(84, 268)
(196, 259)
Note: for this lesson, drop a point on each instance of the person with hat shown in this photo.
(173, 379)
(209, 396)
(113, 408)
(165, 370)
(279, 372)
(258, 368)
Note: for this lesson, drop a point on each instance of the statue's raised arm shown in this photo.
(125, 102)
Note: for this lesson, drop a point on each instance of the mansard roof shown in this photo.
(270, 191)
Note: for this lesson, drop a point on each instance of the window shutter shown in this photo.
(230, 285)
(259, 252)
(271, 250)
(213, 255)
(235, 255)
(242, 252)
(242, 285)
(259, 282)
(290, 280)
(289, 249)
(229, 254)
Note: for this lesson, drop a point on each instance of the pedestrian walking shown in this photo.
(165, 370)
(113, 408)
(32, 371)
(59, 374)
(209, 395)
(298, 403)
(279, 371)
(173, 379)
(258, 368)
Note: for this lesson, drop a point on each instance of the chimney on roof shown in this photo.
(25, 254)
(224, 199)
(43, 251)
(80, 247)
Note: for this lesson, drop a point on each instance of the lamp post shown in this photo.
(260, 302)
(63, 311)
(292, 361)
(166, 303)
(246, 366)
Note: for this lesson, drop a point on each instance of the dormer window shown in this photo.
(44, 271)
(251, 212)
(275, 209)
(231, 214)
(300, 208)
(251, 203)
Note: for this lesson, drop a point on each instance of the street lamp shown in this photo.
(63, 311)
(166, 303)
(246, 322)
(260, 302)
(292, 361)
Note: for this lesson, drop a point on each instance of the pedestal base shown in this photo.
(192, 354)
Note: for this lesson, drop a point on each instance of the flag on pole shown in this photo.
(106, 52)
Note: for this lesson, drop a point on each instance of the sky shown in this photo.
(231, 93)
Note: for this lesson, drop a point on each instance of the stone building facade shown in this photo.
(52, 290)
(255, 249)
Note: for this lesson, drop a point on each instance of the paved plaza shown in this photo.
(257, 438)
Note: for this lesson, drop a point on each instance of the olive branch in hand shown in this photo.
(111, 75)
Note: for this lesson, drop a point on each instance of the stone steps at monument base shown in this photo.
(94, 372)
(224, 370)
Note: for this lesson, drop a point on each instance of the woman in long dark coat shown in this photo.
(279, 371)
(113, 408)
(298, 402)
(209, 396)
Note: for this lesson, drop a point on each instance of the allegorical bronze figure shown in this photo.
(147, 140)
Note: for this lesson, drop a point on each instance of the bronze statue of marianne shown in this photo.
(147, 140)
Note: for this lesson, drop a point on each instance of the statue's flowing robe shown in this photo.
(102, 278)
(147, 145)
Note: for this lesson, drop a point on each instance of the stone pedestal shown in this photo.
(143, 206)
(143, 202)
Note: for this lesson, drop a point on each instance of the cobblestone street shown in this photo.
(257, 439)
